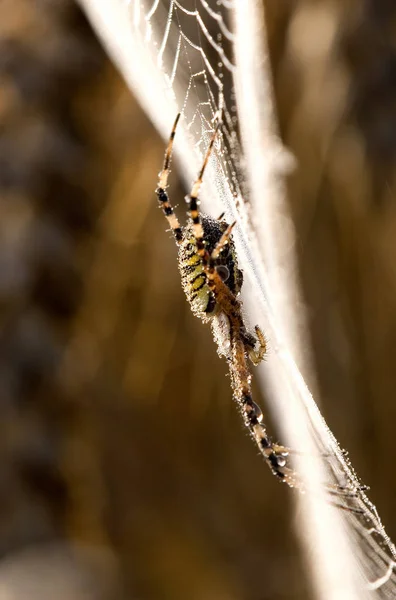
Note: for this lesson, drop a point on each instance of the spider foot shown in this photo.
(277, 455)
(277, 463)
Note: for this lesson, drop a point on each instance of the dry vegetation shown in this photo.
(118, 437)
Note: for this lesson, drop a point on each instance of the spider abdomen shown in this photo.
(193, 276)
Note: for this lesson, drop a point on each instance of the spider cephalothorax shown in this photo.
(212, 281)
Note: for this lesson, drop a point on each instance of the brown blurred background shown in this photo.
(125, 471)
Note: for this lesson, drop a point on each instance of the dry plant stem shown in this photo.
(274, 295)
(321, 529)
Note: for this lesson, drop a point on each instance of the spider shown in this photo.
(212, 280)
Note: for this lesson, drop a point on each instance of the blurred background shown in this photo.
(125, 470)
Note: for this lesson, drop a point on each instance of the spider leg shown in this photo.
(274, 455)
(162, 195)
(192, 200)
(223, 241)
(256, 346)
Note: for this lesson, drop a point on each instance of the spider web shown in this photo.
(191, 44)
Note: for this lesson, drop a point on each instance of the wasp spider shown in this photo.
(212, 281)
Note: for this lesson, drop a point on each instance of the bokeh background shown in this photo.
(125, 471)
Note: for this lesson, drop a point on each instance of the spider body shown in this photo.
(192, 270)
(212, 280)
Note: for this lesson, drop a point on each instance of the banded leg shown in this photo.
(192, 201)
(256, 346)
(274, 455)
(163, 197)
